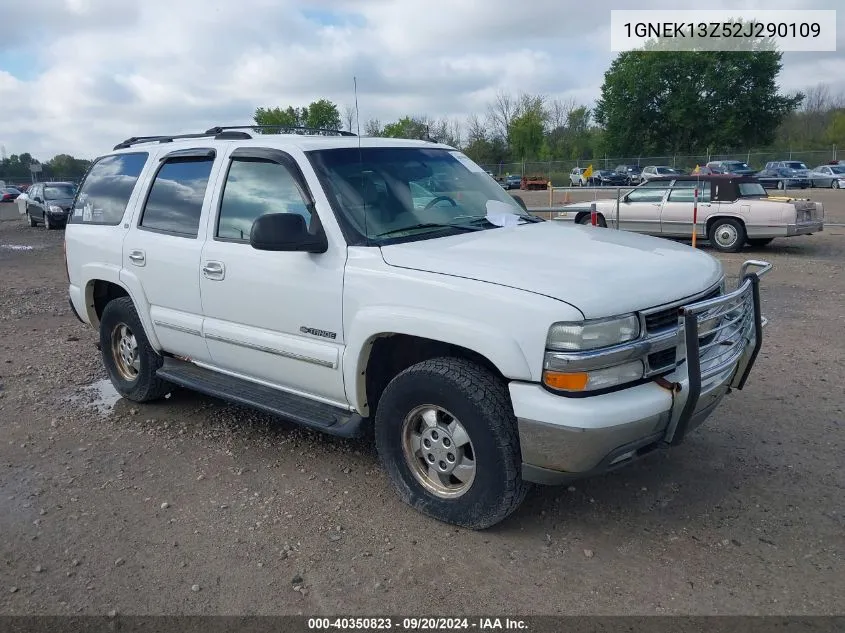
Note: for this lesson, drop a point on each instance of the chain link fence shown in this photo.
(557, 171)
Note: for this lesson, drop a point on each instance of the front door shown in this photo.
(274, 317)
(163, 250)
(677, 212)
(639, 211)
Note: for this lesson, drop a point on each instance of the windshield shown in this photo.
(737, 166)
(383, 193)
(795, 165)
(751, 190)
(57, 192)
(666, 170)
(838, 169)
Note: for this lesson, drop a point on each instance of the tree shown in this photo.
(349, 117)
(321, 114)
(653, 102)
(526, 130)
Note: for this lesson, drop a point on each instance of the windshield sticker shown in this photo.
(467, 162)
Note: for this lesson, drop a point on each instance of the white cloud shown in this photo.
(99, 71)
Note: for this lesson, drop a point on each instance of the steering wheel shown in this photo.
(440, 199)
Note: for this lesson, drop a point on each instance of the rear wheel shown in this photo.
(727, 235)
(781, 185)
(447, 436)
(587, 220)
(130, 360)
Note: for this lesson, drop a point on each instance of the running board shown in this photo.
(299, 409)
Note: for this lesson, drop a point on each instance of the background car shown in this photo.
(513, 181)
(783, 178)
(49, 203)
(576, 177)
(796, 165)
(631, 172)
(828, 176)
(9, 194)
(733, 167)
(656, 171)
(608, 178)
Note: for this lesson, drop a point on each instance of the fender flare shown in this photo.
(494, 344)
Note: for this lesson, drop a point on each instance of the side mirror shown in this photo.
(285, 232)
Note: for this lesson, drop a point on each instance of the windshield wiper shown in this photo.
(431, 225)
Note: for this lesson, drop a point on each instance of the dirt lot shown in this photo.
(194, 506)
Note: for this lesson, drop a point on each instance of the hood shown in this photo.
(601, 272)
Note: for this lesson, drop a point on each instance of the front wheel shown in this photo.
(781, 185)
(727, 235)
(130, 360)
(32, 221)
(47, 224)
(834, 184)
(447, 436)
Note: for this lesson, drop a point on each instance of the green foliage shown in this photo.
(15, 168)
(684, 101)
(321, 114)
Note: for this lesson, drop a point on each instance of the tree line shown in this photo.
(652, 103)
(15, 169)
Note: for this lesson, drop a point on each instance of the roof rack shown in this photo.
(228, 132)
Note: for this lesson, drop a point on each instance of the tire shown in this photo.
(47, 224)
(834, 184)
(727, 235)
(32, 221)
(587, 221)
(145, 385)
(440, 390)
(781, 185)
(760, 242)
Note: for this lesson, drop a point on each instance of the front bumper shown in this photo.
(567, 438)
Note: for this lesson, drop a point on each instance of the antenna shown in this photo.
(360, 153)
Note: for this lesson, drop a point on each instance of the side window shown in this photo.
(106, 190)
(254, 188)
(647, 194)
(174, 204)
(687, 193)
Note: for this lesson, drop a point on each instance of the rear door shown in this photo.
(676, 214)
(162, 251)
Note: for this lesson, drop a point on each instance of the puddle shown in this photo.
(100, 395)
(16, 247)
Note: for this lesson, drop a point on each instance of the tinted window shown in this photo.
(106, 190)
(57, 192)
(647, 194)
(175, 201)
(751, 189)
(685, 192)
(254, 188)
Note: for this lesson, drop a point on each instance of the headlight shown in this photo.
(586, 335)
(54, 209)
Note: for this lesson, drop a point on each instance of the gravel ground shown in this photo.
(192, 506)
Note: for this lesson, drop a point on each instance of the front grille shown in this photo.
(660, 361)
(668, 318)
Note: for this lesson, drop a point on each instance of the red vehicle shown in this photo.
(534, 183)
(9, 194)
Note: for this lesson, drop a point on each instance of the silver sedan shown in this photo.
(828, 176)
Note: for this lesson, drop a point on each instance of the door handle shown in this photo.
(214, 270)
(137, 257)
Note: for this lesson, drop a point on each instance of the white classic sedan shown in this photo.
(732, 211)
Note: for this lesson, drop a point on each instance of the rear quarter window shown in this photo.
(106, 189)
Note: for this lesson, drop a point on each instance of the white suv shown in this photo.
(352, 284)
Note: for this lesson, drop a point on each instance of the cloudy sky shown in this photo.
(77, 76)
